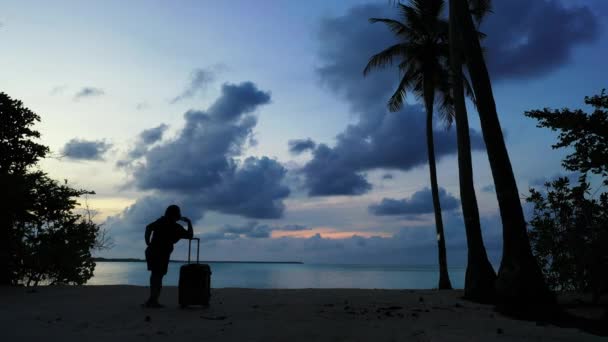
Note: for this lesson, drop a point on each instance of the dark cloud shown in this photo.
(298, 146)
(238, 99)
(397, 141)
(488, 188)
(387, 176)
(251, 229)
(532, 38)
(201, 169)
(144, 140)
(199, 81)
(379, 140)
(152, 135)
(292, 228)
(85, 149)
(345, 45)
(88, 92)
(421, 202)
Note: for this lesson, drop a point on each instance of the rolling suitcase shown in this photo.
(194, 281)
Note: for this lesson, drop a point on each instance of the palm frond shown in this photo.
(479, 9)
(395, 103)
(397, 27)
(384, 58)
(468, 90)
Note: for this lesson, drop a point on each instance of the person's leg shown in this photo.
(156, 279)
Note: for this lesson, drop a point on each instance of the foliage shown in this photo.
(569, 226)
(18, 150)
(44, 238)
(569, 234)
(586, 133)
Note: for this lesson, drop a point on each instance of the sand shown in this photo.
(113, 313)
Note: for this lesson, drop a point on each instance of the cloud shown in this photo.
(488, 188)
(421, 202)
(57, 90)
(397, 141)
(251, 229)
(203, 168)
(200, 79)
(142, 105)
(387, 176)
(144, 140)
(531, 46)
(85, 149)
(298, 146)
(152, 135)
(88, 92)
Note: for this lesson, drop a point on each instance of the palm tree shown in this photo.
(423, 51)
(480, 276)
(520, 287)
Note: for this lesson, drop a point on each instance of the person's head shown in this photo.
(173, 213)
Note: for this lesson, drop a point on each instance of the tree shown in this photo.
(569, 228)
(586, 133)
(423, 50)
(18, 152)
(480, 275)
(520, 287)
(569, 235)
(44, 238)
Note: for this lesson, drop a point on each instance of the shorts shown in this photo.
(157, 260)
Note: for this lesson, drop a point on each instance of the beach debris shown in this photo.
(255, 306)
(458, 305)
(421, 300)
(499, 331)
(329, 305)
(214, 318)
(160, 332)
(147, 319)
(418, 332)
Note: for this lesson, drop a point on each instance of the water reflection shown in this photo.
(288, 276)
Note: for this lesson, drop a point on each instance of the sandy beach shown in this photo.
(113, 313)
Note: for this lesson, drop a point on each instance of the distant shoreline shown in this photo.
(202, 261)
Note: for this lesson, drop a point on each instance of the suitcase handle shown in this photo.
(198, 247)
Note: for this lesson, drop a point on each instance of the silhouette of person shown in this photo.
(160, 237)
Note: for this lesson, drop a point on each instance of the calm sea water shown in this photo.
(288, 276)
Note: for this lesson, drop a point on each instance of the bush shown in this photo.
(569, 235)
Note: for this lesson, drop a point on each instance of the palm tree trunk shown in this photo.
(444, 278)
(520, 287)
(480, 276)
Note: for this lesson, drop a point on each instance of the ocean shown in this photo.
(287, 276)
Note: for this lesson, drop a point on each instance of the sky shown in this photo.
(255, 118)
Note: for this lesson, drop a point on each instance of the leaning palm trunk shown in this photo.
(480, 276)
(444, 278)
(520, 287)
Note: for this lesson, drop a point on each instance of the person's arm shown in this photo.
(190, 233)
(149, 229)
